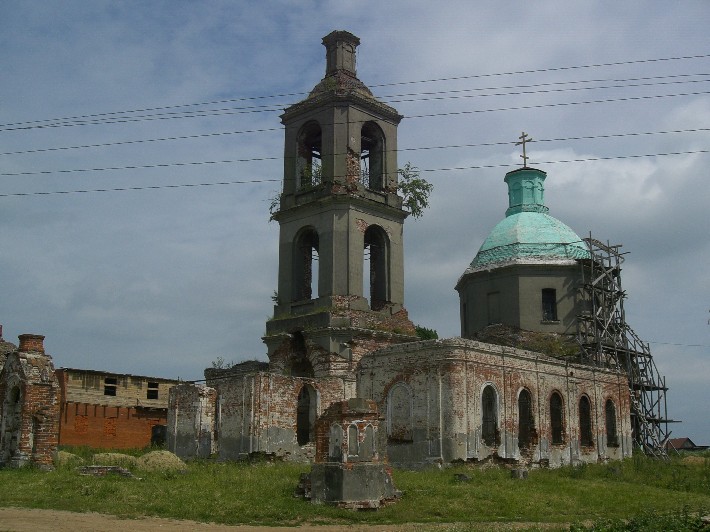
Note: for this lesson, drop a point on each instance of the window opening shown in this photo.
(305, 266)
(309, 171)
(489, 427)
(152, 390)
(372, 156)
(526, 423)
(612, 439)
(305, 414)
(585, 423)
(110, 385)
(556, 412)
(549, 304)
(376, 267)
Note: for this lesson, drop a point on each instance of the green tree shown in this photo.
(426, 334)
(414, 189)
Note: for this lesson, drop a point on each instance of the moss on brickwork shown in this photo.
(551, 344)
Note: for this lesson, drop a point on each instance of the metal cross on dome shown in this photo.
(524, 139)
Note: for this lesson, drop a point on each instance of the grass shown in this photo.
(261, 493)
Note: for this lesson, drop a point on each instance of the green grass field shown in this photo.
(639, 489)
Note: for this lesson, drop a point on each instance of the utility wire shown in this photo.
(240, 182)
(450, 113)
(450, 146)
(435, 80)
(405, 98)
(456, 78)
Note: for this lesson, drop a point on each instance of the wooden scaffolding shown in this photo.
(607, 340)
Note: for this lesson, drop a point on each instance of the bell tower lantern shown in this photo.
(340, 217)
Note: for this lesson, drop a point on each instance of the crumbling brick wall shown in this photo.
(29, 395)
(442, 382)
(192, 421)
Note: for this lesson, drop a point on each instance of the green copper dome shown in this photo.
(528, 233)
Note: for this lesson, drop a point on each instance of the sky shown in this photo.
(162, 278)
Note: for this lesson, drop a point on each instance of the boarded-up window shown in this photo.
(399, 413)
(556, 417)
(585, 422)
(489, 408)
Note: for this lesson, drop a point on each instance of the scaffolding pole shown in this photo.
(607, 340)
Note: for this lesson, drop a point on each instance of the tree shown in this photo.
(426, 334)
(414, 189)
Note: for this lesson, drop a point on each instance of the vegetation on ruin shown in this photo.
(424, 333)
(636, 494)
(415, 190)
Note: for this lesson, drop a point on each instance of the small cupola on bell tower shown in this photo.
(339, 214)
(340, 52)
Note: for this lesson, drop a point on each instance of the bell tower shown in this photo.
(341, 270)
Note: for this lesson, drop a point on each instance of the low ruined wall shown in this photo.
(192, 421)
(259, 414)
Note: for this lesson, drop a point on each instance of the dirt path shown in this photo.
(30, 520)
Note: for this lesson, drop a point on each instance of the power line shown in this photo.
(450, 113)
(240, 182)
(428, 96)
(455, 78)
(253, 159)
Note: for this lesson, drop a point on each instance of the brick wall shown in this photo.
(108, 427)
(445, 379)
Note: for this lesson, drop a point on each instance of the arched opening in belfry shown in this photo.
(306, 413)
(376, 267)
(309, 171)
(489, 416)
(526, 422)
(556, 418)
(585, 422)
(300, 363)
(372, 156)
(305, 264)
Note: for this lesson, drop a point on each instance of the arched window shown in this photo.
(612, 439)
(489, 415)
(556, 418)
(368, 449)
(353, 444)
(305, 255)
(308, 161)
(372, 156)
(585, 422)
(306, 414)
(526, 422)
(376, 267)
(399, 413)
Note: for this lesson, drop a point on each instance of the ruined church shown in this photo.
(534, 377)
